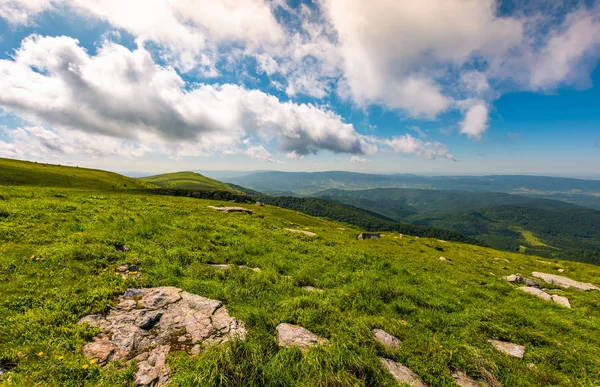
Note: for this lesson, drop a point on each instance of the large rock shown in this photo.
(562, 301)
(307, 233)
(517, 279)
(389, 341)
(153, 321)
(231, 209)
(564, 281)
(402, 373)
(289, 335)
(464, 380)
(510, 349)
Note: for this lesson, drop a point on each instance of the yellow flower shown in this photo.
(20, 354)
(60, 358)
(40, 354)
(85, 366)
(93, 361)
(32, 257)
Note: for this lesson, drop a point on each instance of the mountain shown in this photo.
(61, 250)
(576, 191)
(507, 222)
(187, 180)
(17, 172)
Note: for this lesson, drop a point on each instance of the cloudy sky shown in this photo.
(435, 86)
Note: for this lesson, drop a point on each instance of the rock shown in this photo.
(536, 292)
(154, 368)
(562, 301)
(561, 270)
(564, 281)
(442, 259)
(402, 373)
(544, 262)
(259, 204)
(150, 320)
(442, 241)
(517, 279)
(128, 271)
(511, 349)
(464, 380)
(122, 248)
(231, 209)
(387, 340)
(341, 228)
(255, 269)
(368, 235)
(220, 266)
(307, 233)
(312, 289)
(289, 335)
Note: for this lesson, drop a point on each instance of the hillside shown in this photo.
(59, 253)
(26, 173)
(499, 220)
(576, 191)
(188, 181)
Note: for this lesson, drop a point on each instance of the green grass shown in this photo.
(443, 311)
(187, 180)
(16, 172)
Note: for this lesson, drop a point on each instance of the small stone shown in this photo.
(312, 289)
(532, 366)
(307, 233)
(562, 301)
(442, 259)
(510, 349)
(368, 235)
(220, 266)
(259, 204)
(402, 373)
(195, 351)
(517, 279)
(122, 248)
(561, 270)
(101, 350)
(289, 335)
(464, 380)
(389, 341)
(181, 339)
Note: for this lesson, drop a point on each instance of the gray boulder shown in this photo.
(289, 335)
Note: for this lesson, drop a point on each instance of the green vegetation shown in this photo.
(16, 172)
(188, 181)
(58, 258)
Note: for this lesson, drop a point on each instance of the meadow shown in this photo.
(57, 264)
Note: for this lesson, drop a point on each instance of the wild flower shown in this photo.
(40, 354)
(85, 366)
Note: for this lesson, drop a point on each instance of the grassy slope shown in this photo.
(443, 311)
(187, 180)
(16, 172)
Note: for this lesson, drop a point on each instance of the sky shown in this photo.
(386, 86)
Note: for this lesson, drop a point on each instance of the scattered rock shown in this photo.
(128, 271)
(341, 228)
(122, 248)
(563, 301)
(511, 349)
(389, 341)
(289, 335)
(148, 322)
(544, 262)
(368, 235)
(307, 233)
(502, 259)
(442, 241)
(312, 289)
(220, 266)
(492, 274)
(231, 209)
(517, 279)
(564, 281)
(402, 373)
(561, 270)
(260, 204)
(464, 380)
(255, 269)
(416, 237)
(532, 366)
(442, 259)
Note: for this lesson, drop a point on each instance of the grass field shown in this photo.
(443, 311)
(187, 180)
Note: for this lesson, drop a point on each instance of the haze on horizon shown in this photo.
(446, 87)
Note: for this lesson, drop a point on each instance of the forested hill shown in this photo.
(355, 216)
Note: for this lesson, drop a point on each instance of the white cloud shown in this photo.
(407, 144)
(258, 152)
(124, 94)
(358, 159)
(417, 130)
(21, 11)
(475, 122)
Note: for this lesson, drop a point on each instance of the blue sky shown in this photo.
(438, 86)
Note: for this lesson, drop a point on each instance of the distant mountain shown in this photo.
(187, 180)
(577, 191)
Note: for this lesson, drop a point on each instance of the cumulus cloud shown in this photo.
(358, 159)
(22, 11)
(475, 122)
(407, 144)
(125, 94)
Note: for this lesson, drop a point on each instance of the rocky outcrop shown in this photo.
(518, 279)
(564, 282)
(510, 349)
(563, 301)
(148, 323)
(402, 373)
(289, 335)
(307, 233)
(368, 235)
(227, 210)
(387, 340)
